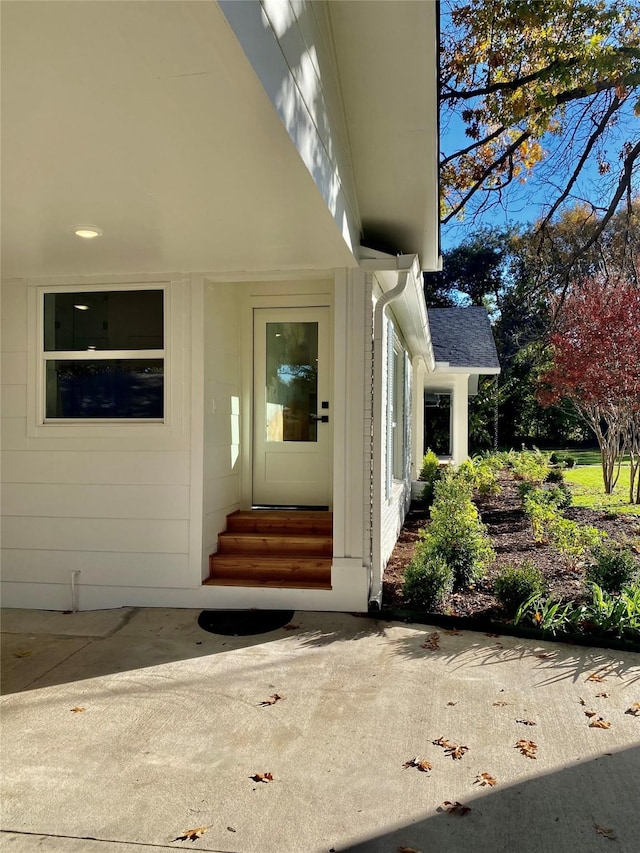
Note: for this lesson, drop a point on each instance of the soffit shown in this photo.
(387, 59)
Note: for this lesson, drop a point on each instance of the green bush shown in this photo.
(532, 465)
(430, 473)
(608, 613)
(515, 584)
(555, 475)
(570, 461)
(612, 568)
(427, 581)
(456, 532)
(555, 458)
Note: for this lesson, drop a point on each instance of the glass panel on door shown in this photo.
(291, 386)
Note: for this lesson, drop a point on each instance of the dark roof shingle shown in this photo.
(463, 337)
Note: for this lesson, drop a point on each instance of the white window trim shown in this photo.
(39, 427)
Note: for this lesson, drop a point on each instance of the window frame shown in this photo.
(67, 425)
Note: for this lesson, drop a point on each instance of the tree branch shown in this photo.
(473, 146)
(506, 154)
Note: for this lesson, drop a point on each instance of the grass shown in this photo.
(583, 457)
(588, 491)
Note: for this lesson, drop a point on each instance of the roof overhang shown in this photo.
(387, 56)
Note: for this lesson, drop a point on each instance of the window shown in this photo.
(397, 406)
(103, 355)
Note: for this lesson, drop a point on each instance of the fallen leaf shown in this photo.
(489, 634)
(545, 655)
(485, 779)
(230, 829)
(453, 749)
(452, 703)
(599, 676)
(599, 724)
(527, 722)
(407, 850)
(454, 633)
(499, 646)
(192, 834)
(271, 700)
(290, 627)
(602, 695)
(608, 833)
(432, 643)
(527, 747)
(423, 766)
(23, 653)
(634, 710)
(581, 700)
(500, 704)
(77, 710)
(262, 777)
(454, 808)
(590, 714)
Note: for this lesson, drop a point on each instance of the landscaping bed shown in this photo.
(511, 536)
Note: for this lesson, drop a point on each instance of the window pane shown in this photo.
(292, 381)
(105, 389)
(104, 320)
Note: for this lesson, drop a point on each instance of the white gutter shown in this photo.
(379, 435)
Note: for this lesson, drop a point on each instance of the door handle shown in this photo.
(324, 419)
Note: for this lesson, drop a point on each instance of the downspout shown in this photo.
(375, 591)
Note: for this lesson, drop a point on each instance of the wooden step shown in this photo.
(269, 571)
(280, 521)
(275, 544)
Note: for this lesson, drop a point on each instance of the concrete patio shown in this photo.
(123, 729)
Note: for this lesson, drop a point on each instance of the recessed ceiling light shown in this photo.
(82, 307)
(87, 232)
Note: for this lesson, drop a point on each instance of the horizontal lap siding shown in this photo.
(114, 508)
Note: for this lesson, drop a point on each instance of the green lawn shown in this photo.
(587, 489)
(583, 457)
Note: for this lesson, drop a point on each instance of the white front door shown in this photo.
(292, 420)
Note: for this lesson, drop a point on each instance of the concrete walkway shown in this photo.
(123, 729)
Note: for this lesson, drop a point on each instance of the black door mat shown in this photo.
(243, 623)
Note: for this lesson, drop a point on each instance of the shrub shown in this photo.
(430, 473)
(559, 496)
(608, 613)
(427, 581)
(548, 614)
(612, 568)
(456, 532)
(555, 458)
(555, 475)
(532, 465)
(570, 461)
(515, 584)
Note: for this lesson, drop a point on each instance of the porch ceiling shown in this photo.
(146, 120)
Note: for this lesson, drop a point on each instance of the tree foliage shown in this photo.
(596, 367)
(550, 87)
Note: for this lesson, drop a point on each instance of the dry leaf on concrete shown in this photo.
(599, 723)
(608, 833)
(527, 747)
(432, 643)
(192, 834)
(454, 808)
(77, 710)
(483, 779)
(500, 704)
(290, 627)
(599, 676)
(452, 749)
(602, 695)
(423, 766)
(634, 710)
(22, 653)
(590, 714)
(262, 777)
(271, 700)
(527, 722)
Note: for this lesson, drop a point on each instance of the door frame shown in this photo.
(309, 293)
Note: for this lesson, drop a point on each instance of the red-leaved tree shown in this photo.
(596, 367)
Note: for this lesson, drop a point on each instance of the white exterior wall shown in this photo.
(111, 501)
(222, 402)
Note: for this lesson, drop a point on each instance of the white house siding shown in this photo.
(290, 48)
(222, 399)
(112, 502)
(396, 504)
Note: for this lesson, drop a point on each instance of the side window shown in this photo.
(103, 354)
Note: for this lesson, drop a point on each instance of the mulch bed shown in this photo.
(511, 536)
